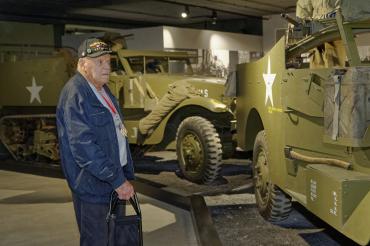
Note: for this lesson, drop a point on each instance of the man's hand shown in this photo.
(125, 191)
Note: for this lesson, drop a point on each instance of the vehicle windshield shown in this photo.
(136, 64)
(169, 65)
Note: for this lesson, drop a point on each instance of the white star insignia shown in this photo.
(269, 79)
(34, 90)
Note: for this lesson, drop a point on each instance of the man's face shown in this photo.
(98, 69)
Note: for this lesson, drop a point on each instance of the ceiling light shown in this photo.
(214, 17)
(185, 13)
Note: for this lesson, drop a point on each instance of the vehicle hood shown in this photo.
(211, 87)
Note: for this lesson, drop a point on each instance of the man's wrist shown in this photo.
(118, 182)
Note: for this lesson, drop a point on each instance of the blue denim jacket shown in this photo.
(88, 143)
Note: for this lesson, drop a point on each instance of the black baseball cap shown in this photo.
(93, 47)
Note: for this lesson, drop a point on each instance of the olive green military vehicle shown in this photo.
(304, 110)
(166, 106)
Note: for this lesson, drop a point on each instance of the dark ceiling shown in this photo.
(138, 13)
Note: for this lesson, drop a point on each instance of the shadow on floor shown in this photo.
(154, 165)
(38, 196)
(328, 236)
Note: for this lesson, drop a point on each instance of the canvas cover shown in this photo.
(177, 92)
(322, 9)
(347, 108)
(332, 55)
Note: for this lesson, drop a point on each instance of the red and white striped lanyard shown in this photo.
(112, 108)
(109, 103)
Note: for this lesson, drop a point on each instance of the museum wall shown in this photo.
(204, 39)
(149, 38)
(273, 27)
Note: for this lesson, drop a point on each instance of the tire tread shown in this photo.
(213, 147)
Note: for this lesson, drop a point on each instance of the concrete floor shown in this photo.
(37, 210)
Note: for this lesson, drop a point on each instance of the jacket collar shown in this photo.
(91, 95)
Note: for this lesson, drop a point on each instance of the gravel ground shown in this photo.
(233, 209)
(242, 225)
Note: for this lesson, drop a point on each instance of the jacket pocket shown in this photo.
(97, 187)
(100, 118)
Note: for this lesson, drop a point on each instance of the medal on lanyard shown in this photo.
(123, 129)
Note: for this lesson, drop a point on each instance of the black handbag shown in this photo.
(124, 230)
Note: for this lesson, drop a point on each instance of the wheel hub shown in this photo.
(192, 152)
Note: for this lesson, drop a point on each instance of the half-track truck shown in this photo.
(165, 105)
(304, 111)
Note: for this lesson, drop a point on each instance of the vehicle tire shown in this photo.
(272, 203)
(199, 150)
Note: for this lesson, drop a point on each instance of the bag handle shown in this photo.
(114, 200)
(135, 204)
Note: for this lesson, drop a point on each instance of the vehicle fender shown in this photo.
(252, 125)
(202, 102)
(211, 104)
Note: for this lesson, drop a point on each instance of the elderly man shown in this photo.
(93, 142)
